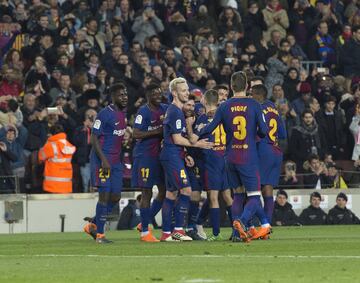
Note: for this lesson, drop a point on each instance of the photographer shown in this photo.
(289, 180)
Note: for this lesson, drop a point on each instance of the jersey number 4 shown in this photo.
(240, 123)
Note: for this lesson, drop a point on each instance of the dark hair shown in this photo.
(260, 90)
(313, 156)
(57, 128)
(238, 81)
(306, 111)
(90, 19)
(13, 105)
(221, 86)
(257, 78)
(283, 41)
(211, 97)
(115, 87)
(315, 195)
(283, 193)
(191, 97)
(149, 89)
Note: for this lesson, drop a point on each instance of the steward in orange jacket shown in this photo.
(57, 154)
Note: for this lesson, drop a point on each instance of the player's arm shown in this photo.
(97, 130)
(105, 165)
(281, 129)
(263, 129)
(181, 141)
(193, 138)
(209, 128)
(139, 134)
(141, 125)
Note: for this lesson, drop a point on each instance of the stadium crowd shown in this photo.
(60, 57)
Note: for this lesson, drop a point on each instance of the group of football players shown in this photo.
(224, 146)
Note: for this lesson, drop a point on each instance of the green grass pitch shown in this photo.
(296, 254)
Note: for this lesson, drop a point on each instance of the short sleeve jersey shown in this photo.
(148, 120)
(275, 124)
(242, 120)
(109, 127)
(174, 123)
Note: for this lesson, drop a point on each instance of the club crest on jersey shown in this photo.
(178, 124)
(97, 124)
(119, 132)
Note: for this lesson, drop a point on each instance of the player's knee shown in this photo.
(195, 196)
(171, 195)
(267, 191)
(104, 198)
(239, 190)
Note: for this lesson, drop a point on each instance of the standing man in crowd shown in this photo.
(106, 167)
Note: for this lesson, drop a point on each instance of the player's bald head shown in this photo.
(211, 97)
(238, 82)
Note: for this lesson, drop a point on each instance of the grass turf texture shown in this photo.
(296, 254)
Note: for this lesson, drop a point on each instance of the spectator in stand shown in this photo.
(64, 90)
(300, 103)
(316, 174)
(202, 22)
(130, 216)
(322, 46)
(277, 68)
(303, 21)
(97, 39)
(306, 139)
(334, 175)
(290, 84)
(289, 180)
(313, 215)
(10, 86)
(15, 139)
(81, 139)
(350, 54)
(7, 184)
(57, 154)
(340, 215)
(229, 19)
(276, 18)
(283, 214)
(254, 24)
(146, 25)
(331, 121)
(290, 119)
(355, 130)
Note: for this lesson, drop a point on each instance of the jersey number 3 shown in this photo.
(240, 123)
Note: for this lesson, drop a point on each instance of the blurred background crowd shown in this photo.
(59, 57)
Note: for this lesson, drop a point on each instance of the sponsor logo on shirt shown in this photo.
(119, 132)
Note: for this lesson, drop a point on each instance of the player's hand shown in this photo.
(189, 161)
(105, 165)
(190, 121)
(204, 143)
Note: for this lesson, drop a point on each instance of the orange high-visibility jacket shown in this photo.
(57, 154)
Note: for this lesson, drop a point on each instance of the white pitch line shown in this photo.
(189, 256)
